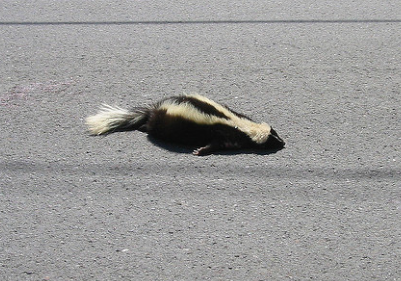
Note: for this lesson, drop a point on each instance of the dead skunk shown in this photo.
(190, 120)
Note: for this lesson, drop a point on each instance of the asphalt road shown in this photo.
(325, 74)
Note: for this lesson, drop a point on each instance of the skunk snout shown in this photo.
(274, 141)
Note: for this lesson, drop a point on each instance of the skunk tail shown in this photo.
(110, 119)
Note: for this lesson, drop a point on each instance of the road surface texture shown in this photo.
(325, 74)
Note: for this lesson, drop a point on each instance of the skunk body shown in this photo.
(190, 120)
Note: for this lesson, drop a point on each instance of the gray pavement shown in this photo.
(325, 74)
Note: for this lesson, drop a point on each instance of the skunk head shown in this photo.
(273, 141)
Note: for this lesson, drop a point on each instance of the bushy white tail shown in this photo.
(109, 119)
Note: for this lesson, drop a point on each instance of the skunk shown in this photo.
(189, 120)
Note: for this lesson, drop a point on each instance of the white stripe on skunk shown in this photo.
(190, 120)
